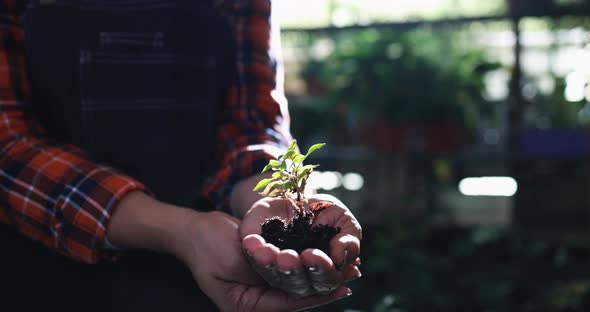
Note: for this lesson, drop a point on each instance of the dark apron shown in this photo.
(138, 84)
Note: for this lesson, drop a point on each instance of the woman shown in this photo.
(124, 123)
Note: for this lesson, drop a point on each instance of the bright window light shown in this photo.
(327, 180)
(575, 91)
(353, 181)
(330, 180)
(488, 186)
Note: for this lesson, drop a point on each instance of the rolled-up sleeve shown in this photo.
(49, 192)
(254, 125)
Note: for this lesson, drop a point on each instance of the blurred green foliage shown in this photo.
(554, 111)
(431, 76)
(419, 76)
(411, 266)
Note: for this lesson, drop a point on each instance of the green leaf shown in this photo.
(268, 188)
(299, 158)
(310, 166)
(314, 147)
(274, 189)
(289, 155)
(305, 170)
(283, 165)
(291, 185)
(277, 192)
(272, 164)
(266, 168)
(262, 183)
(303, 173)
(278, 175)
(292, 146)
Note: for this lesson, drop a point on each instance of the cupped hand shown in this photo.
(212, 250)
(313, 271)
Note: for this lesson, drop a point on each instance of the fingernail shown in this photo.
(344, 256)
(348, 292)
(357, 262)
(287, 272)
(357, 275)
(316, 270)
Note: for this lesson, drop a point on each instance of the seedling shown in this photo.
(289, 179)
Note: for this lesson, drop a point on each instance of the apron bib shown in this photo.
(138, 84)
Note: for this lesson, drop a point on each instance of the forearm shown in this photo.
(242, 196)
(141, 222)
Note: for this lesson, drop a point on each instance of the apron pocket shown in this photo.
(144, 80)
(139, 111)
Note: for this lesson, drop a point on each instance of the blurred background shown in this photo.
(458, 132)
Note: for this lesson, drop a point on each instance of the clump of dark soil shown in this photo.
(298, 233)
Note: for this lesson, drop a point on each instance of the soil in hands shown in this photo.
(299, 233)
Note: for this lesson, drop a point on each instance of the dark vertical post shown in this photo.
(515, 113)
(516, 100)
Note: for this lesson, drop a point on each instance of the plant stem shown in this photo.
(299, 202)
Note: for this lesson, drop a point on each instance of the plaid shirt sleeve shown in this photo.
(49, 192)
(255, 121)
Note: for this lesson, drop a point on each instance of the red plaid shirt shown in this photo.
(54, 194)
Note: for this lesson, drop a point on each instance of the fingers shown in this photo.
(294, 279)
(300, 275)
(344, 249)
(350, 273)
(262, 256)
(322, 273)
(312, 272)
(314, 301)
(252, 242)
(276, 300)
(281, 269)
(357, 261)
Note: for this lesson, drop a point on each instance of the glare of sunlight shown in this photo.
(353, 181)
(496, 83)
(321, 49)
(488, 186)
(575, 91)
(327, 180)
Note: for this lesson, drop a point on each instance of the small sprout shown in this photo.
(289, 176)
(288, 179)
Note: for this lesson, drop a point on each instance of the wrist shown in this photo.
(185, 237)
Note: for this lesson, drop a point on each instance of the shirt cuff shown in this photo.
(83, 235)
(240, 165)
(109, 246)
